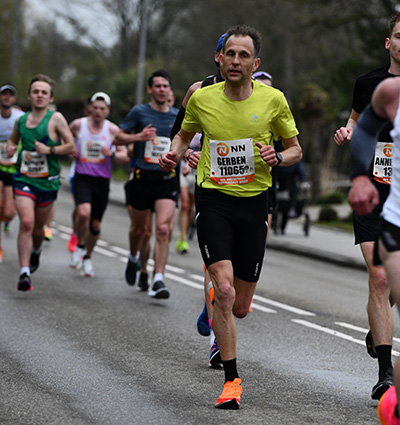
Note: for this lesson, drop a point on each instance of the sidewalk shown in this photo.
(325, 244)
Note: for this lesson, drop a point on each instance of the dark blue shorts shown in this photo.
(42, 198)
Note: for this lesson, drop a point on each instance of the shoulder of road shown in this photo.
(323, 243)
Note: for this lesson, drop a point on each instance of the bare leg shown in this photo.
(165, 213)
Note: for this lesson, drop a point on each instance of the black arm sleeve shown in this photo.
(363, 141)
(178, 122)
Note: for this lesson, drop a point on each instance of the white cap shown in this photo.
(8, 87)
(101, 96)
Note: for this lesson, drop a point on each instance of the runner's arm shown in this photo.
(179, 145)
(292, 152)
(363, 141)
(363, 195)
(343, 134)
(122, 138)
(65, 135)
(12, 143)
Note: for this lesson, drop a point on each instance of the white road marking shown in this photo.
(359, 329)
(334, 333)
(262, 308)
(115, 252)
(283, 306)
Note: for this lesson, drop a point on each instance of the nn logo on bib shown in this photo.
(254, 118)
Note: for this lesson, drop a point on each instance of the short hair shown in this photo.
(159, 73)
(44, 78)
(393, 22)
(244, 30)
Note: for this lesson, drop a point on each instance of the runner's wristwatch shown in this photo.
(278, 157)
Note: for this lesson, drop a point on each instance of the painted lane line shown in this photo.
(105, 252)
(358, 329)
(262, 308)
(283, 306)
(65, 229)
(119, 250)
(64, 236)
(184, 281)
(197, 277)
(175, 269)
(102, 243)
(113, 250)
(334, 333)
(328, 331)
(352, 327)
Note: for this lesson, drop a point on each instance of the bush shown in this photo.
(327, 214)
(331, 198)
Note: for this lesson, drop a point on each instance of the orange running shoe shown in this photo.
(1, 255)
(73, 242)
(387, 406)
(230, 397)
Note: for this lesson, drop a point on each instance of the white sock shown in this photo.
(212, 337)
(134, 259)
(158, 276)
(25, 270)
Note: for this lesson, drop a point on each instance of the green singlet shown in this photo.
(41, 171)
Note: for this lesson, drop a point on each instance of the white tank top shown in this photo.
(91, 160)
(391, 208)
(7, 124)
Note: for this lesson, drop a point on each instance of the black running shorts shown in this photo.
(6, 178)
(233, 228)
(142, 194)
(390, 236)
(92, 190)
(366, 228)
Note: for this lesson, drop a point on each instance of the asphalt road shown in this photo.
(96, 351)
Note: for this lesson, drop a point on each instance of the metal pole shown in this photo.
(142, 53)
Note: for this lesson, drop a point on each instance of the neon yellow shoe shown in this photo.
(230, 397)
(182, 246)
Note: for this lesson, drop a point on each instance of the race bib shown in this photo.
(155, 148)
(34, 164)
(92, 151)
(232, 162)
(383, 162)
(4, 158)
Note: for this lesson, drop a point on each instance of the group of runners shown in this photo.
(235, 121)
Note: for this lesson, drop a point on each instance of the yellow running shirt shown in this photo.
(230, 161)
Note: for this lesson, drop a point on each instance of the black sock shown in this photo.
(230, 370)
(396, 411)
(81, 246)
(85, 257)
(384, 353)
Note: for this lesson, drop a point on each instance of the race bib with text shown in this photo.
(383, 162)
(232, 162)
(4, 158)
(155, 148)
(34, 164)
(92, 151)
